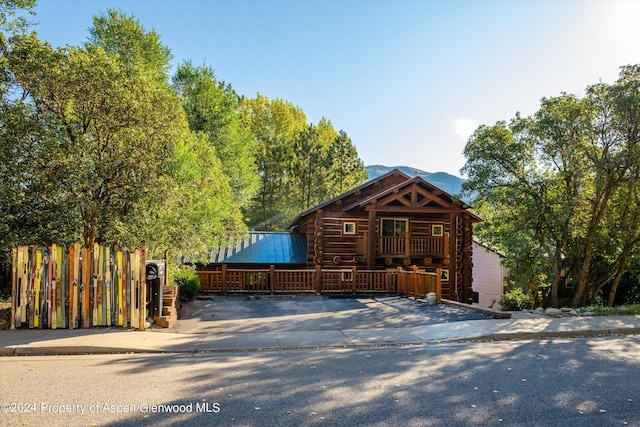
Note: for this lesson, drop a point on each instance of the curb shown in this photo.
(555, 334)
(488, 311)
(517, 336)
(71, 351)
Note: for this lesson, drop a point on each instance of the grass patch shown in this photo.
(632, 309)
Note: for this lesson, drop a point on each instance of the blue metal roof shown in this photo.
(263, 248)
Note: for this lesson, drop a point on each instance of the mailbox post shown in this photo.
(156, 279)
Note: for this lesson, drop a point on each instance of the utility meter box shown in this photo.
(156, 278)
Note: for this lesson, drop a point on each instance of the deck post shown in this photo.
(353, 279)
(438, 284)
(407, 243)
(318, 278)
(446, 249)
(224, 279)
(272, 279)
(371, 243)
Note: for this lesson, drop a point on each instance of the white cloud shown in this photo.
(463, 127)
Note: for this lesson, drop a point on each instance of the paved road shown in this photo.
(560, 382)
(239, 313)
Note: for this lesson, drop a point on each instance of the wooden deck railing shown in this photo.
(419, 284)
(273, 281)
(413, 247)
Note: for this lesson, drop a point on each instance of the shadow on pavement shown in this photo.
(240, 313)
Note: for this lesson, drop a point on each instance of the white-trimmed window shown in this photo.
(349, 228)
(437, 230)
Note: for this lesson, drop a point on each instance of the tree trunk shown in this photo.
(583, 276)
(557, 276)
(596, 216)
(616, 281)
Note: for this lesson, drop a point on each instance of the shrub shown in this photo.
(515, 300)
(187, 281)
(600, 310)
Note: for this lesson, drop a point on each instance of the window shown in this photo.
(437, 230)
(392, 227)
(475, 296)
(444, 274)
(348, 228)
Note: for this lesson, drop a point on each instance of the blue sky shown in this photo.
(407, 80)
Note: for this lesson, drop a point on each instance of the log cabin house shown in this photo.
(394, 221)
(389, 223)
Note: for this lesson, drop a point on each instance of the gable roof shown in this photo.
(429, 193)
(348, 193)
(261, 247)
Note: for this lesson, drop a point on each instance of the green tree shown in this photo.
(275, 125)
(309, 168)
(325, 165)
(117, 156)
(195, 210)
(17, 169)
(123, 35)
(347, 169)
(617, 239)
(560, 186)
(108, 145)
(191, 204)
(11, 19)
(500, 164)
(214, 109)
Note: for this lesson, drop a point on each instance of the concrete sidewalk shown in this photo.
(117, 340)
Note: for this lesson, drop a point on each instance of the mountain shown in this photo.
(449, 183)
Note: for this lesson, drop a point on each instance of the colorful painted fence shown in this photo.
(58, 287)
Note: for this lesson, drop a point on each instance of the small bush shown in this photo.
(190, 288)
(516, 300)
(187, 281)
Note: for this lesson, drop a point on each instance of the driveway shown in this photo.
(242, 313)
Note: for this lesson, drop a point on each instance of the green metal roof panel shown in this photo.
(264, 248)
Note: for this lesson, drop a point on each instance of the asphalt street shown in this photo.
(559, 382)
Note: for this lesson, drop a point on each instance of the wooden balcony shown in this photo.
(412, 247)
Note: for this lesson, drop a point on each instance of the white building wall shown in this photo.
(488, 276)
